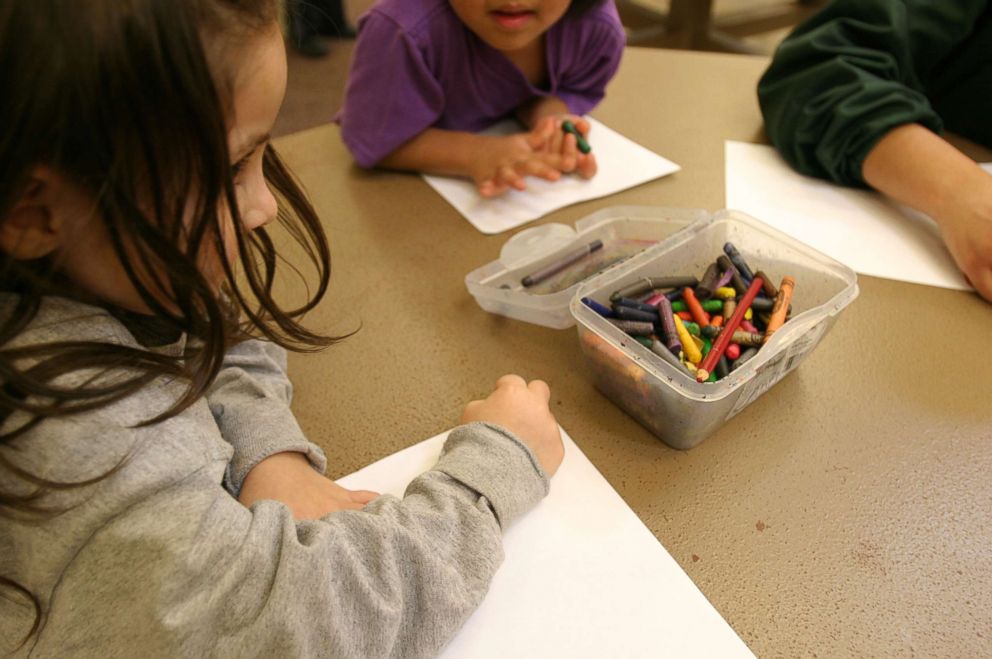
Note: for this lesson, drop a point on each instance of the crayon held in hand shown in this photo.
(562, 263)
(580, 140)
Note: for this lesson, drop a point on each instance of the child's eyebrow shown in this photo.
(251, 146)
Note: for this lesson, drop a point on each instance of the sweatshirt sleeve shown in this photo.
(250, 401)
(200, 575)
(852, 73)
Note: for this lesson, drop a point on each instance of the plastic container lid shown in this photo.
(625, 231)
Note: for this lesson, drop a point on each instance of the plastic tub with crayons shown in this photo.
(639, 373)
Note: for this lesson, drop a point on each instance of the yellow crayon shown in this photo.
(692, 353)
(725, 293)
(748, 315)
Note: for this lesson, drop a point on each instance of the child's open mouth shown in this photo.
(512, 19)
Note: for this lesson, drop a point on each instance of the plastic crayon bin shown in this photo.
(668, 401)
(624, 230)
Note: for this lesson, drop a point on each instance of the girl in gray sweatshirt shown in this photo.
(157, 497)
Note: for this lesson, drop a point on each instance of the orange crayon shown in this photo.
(781, 307)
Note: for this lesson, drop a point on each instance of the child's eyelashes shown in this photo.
(238, 167)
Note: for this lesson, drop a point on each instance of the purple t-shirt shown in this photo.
(416, 66)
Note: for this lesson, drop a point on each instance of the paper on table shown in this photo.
(860, 228)
(583, 577)
(622, 164)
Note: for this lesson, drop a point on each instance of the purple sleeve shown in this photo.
(391, 94)
(583, 84)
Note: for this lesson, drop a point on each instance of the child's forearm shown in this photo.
(918, 168)
(436, 151)
(543, 106)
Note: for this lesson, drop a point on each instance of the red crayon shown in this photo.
(723, 340)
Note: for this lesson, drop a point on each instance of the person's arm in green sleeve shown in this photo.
(844, 100)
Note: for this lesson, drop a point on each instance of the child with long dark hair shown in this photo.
(157, 496)
(428, 75)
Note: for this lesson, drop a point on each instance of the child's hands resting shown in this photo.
(289, 478)
(522, 408)
(545, 151)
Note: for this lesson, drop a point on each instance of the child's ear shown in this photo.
(32, 229)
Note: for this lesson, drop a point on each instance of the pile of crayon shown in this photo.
(705, 327)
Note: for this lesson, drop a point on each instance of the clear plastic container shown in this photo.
(667, 400)
(624, 230)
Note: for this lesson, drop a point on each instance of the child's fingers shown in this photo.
(511, 380)
(587, 166)
(569, 153)
(542, 133)
(539, 167)
(540, 388)
(362, 496)
(507, 175)
(581, 125)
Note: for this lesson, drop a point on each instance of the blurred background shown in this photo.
(320, 49)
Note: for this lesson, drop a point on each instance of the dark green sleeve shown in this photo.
(853, 72)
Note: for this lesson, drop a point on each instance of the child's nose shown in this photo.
(264, 210)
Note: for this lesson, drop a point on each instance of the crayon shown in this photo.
(695, 308)
(602, 310)
(648, 283)
(745, 356)
(735, 277)
(726, 335)
(634, 304)
(707, 284)
(722, 367)
(580, 140)
(725, 293)
(781, 306)
(769, 288)
(562, 263)
(629, 313)
(660, 349)
(688, 345)
(632, 327)
(738, 261)
(668, 330)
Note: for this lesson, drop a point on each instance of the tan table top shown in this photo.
(848, 511)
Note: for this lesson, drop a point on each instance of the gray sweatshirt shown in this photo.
(160, 559)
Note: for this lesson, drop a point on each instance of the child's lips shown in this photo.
(511, 18)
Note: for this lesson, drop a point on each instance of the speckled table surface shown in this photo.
(847, 512)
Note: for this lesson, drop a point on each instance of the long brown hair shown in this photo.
(122, 97)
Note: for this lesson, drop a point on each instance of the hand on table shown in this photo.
(289, 478)
(966, 226)
(545, 152)
(522, 408)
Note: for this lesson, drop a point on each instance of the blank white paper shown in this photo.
(859, 228)
(621, 162)
(582, 577)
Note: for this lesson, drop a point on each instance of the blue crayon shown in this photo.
(602, 310)
(742, 267)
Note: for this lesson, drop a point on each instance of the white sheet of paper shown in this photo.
(860, 228)
(622, 164)
(583, 577)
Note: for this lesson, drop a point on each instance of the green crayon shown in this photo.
(569, 127)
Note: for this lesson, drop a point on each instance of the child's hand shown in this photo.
(967, 232)
(289, 478)
(508, 160)
(566, 144)
(522, 409)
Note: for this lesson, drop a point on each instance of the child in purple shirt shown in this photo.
(427, 75)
